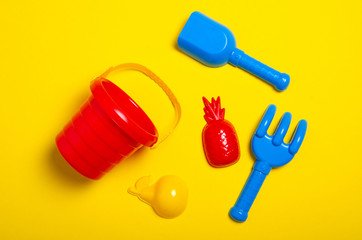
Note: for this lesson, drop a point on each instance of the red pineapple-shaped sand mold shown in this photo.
(219, 138)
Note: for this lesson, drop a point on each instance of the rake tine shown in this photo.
(282, 129)
(265, 122)
(298, 137)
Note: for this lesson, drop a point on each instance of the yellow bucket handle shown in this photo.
(160, 83)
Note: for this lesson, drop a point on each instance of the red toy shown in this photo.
(219, 138)
(110, 126)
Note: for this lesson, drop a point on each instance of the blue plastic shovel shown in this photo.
(214, 45)
(270, 151)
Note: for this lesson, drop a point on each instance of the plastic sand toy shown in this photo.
(270, 152)
(214, 45)
(110, 126)
(168, 196)
(219, 138)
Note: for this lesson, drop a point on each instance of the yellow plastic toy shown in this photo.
(168, 196)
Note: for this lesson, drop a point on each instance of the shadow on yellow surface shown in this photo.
(62, 170)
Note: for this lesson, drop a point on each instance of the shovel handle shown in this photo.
(279, 80)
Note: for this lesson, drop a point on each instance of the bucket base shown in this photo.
(75, 160)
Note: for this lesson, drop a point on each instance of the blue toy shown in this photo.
(214, 45)
(270, 151)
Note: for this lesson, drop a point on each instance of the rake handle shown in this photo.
(239, 212)
(279, 80)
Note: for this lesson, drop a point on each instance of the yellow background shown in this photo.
(51, 50)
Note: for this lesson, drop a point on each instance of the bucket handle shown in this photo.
(160, 83)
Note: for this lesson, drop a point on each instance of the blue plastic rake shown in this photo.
(270, 151)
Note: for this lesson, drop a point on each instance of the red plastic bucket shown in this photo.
(109, 127)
